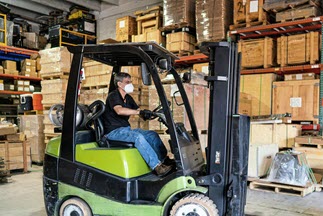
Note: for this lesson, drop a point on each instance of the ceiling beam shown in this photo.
(113, 2)
(27, 15)
(129, 6)
(91, 4)
(58, 5)
(27, 6)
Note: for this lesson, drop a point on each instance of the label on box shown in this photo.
(1, 87)
(296, 102)
(253, 6)
(27, 82)
(299, 76)
(205, 69)
(122, 24)
(20, 88)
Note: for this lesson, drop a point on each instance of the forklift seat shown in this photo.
(84, 136)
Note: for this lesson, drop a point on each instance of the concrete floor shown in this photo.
(23, 197)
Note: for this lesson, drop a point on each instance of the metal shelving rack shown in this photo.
(286, 28)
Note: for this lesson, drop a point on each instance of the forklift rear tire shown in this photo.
(75, 207)
(195, 205)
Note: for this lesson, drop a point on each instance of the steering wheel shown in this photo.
(159, 113)
(96, 110)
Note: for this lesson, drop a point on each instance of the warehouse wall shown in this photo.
(106, 22)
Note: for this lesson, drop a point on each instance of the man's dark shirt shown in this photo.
(111, 120)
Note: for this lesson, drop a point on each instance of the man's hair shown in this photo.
(119, 77)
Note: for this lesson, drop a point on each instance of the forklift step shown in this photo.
(281, 188)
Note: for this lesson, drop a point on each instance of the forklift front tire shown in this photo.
(74, 206)
(194, 204)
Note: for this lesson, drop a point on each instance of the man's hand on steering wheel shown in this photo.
(145, 114)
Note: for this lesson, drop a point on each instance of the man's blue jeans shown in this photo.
(147, 142)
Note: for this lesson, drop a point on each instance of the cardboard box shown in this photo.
(11, 72)
(245, 104)
(38, 65)
(9, 87)
(259, 87)
(179, 11)
(180, 41)
(31, 40)
(1, 70)
(260, 159)
(29, 69)
(18, 82)
(201, 67)
(28, 62)
(9, 65)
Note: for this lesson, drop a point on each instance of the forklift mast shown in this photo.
(228, 132)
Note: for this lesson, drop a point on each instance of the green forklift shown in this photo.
(86, 174)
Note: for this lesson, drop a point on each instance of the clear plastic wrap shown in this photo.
(213, 18)
(290, 168)
(9, 33)
(179, 11)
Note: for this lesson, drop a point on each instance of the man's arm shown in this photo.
(125, 111)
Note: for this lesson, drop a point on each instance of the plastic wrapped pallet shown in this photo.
(179, 11)
(32, 126)
(213, 18)
(290, 168)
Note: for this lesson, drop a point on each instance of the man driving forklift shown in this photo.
(119, 107)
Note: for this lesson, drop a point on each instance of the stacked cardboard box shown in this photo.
(13, 148)
(33, 128)
(180, 42)
(28, 68)
(95, 85)
(10, 67)
(179, 12)
(213, 18)
(55, 67)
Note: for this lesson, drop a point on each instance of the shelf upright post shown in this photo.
(321, 89)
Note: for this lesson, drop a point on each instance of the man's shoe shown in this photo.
(162, 169)
(169, 162)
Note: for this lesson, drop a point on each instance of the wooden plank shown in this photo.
(300, 98)
(309, 141)
(281, 188)
(314, 156)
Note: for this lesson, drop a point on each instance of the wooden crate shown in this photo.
(16, 155)
(248, 13)
(300, 76)
(180, 42)
(298, 49)
(312, 147)
(300, 98)
(298, 13)
(258, 53)
(154, 36)
(149, 20)
(259, 87)
(125, 28)
(281, 134)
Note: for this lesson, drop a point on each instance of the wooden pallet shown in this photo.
(49, 136)
(181, 53)
(309, 142)
(281, 188)
(174, 26)
(94, 87)
(248, 24)
(56, 75)
(33, 112)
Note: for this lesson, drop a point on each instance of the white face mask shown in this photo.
(128, 88)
